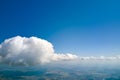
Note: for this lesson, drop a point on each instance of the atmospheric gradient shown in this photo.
(59, 40)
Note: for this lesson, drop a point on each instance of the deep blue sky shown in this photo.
(84, 27)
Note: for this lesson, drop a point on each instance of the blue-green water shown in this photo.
(76, 70)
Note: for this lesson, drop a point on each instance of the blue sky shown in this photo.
(83, 27)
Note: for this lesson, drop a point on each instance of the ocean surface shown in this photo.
(64, 70)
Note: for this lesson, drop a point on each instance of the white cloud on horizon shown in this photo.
(30, 51)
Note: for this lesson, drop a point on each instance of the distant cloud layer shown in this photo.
(29, 51)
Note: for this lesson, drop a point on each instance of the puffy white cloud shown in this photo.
(29, 51)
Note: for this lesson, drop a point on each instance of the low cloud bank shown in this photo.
(31, 51)
(100, 58)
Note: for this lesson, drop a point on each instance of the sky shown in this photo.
(82, 27)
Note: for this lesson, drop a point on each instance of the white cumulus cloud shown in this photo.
(29, 51)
